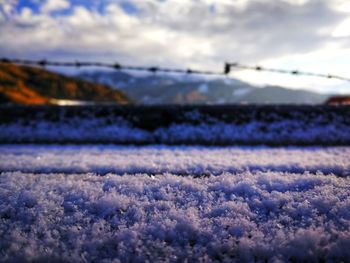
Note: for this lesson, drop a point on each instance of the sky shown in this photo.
(307, 35)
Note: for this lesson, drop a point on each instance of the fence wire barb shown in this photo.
(225, 72)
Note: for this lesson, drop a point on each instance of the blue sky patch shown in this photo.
(129, 8)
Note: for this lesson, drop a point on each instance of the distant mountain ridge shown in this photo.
(29, 85)
(165, 89)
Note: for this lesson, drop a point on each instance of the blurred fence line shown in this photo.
(227, 68)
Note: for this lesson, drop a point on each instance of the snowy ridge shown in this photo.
(180, 160)
(220, 133)
(211, 125)
(233, 218)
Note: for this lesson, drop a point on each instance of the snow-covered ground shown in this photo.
(218, 133)
(174, 125)
(163, 203)
(180, 160)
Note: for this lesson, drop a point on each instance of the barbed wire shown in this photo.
(227, 69)
(117, 66)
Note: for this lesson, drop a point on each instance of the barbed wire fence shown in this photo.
(283, 71)
(227, 68)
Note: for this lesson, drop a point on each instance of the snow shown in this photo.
(182, 160)
(70, 102)
(201, 125)
(174, 204)
(117, 130)
(203, 88)
(241, 92)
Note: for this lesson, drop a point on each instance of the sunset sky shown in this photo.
(306, 35)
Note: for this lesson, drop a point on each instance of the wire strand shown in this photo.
(283, 71)
(227, 69)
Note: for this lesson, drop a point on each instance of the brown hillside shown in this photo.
(29, 85)
(338, 100)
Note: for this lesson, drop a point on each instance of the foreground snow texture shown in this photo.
(246, 204)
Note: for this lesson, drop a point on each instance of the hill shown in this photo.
(170, 89)
(29, 86)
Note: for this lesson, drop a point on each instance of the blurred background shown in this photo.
(291, 35)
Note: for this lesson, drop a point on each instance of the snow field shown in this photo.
(129, 204)
(119, 131)
(180, 160)
(232, 217)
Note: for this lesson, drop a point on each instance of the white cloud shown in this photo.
(343, 29)
(6, 7)
(54, 5)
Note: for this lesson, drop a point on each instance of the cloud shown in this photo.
(6, 7)
(54, 5)
(201, 33)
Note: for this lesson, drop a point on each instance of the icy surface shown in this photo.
(181, 160)
(174, 204)
(192, 128)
